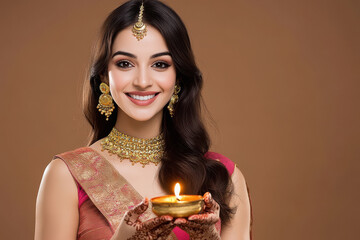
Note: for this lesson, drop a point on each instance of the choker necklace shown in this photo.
(137, 150)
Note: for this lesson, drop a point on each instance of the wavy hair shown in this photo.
(186, 139)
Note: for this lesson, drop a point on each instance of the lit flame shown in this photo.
(177, 191)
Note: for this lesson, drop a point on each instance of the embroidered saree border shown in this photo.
(106, 188)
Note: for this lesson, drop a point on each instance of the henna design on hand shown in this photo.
(202, 226)
(155, 228)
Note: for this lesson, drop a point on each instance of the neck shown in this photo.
(139, 129)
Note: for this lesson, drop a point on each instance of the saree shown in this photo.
(105, 196)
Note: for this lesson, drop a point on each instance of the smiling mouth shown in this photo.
(142, 96)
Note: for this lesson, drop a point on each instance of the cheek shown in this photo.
(117, 82)
(167, 82)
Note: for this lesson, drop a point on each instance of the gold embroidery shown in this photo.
(110, 192)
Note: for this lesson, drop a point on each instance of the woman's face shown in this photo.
(141, 74)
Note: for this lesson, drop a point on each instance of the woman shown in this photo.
(149, 135)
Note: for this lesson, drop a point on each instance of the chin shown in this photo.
(143, 116)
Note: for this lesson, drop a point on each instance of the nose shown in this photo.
(143, 79)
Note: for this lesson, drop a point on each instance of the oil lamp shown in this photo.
(177, 205)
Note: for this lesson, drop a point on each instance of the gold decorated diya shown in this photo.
(170, 205)
(177, 205)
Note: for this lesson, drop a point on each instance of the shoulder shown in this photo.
(56, 169)
(230, 165)
(57, 177)
(57, 180)
(56, 203)
(239, 181)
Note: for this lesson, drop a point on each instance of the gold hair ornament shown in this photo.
(139, 30)
(106, 105)
(137, 150)
(174, 99)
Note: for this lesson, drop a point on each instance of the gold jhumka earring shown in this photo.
(174, 99)
(106, 105)
(139, 30)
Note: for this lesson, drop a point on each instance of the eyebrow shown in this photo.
(133, 56)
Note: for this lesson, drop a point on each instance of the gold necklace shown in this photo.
(137, 150)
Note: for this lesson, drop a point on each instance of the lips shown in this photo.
(142, 98)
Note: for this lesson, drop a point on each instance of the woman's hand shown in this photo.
(202, 226)
(132, 228)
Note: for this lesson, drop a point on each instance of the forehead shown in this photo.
(152, 43)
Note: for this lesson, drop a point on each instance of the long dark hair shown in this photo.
(186, 139)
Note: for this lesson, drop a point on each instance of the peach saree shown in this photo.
(105, 196)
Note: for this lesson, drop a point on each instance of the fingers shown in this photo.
(141, 208)
(208, 200)
(185, 224)
(211, 214)
(195, 220)
(210, 204)
(206, 218)
(131, 216)
(180, 221)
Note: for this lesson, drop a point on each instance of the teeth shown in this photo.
(142, 98)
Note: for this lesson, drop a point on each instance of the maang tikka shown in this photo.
(106, 105)
(139, 29)
(174, 99)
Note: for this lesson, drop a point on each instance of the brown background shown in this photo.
(281, 82)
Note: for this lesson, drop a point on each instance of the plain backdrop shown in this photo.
(281, 83)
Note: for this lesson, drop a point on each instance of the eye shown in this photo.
(161, 65)
(124, 64)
